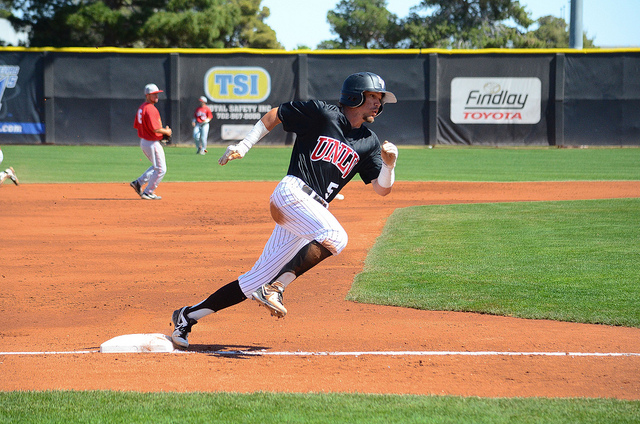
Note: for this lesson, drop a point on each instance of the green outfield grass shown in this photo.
(574, 261)
(276, 408)
(570, 261)
(77, 164)
(41, 164)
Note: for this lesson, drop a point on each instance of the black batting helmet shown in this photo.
(356, 84)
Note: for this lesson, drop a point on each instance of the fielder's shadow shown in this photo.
(227, 351)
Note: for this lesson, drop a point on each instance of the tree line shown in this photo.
(357, 24)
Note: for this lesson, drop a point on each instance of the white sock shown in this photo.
(286, 278)
(199, 314)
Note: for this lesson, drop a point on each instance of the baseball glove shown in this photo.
(166, 139)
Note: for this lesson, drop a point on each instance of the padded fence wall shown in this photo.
(602, 99)
(483, 97)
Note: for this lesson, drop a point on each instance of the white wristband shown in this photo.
(387, 176)
(257, 132)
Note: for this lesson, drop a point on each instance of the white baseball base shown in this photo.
(136, 343)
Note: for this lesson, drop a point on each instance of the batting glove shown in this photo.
(389, 154)
(234, 151)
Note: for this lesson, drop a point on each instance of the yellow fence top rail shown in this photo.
(314, 52)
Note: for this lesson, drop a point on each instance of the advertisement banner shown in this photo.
(240, 89)
(237, 93)
(21, 119)
(496, 100)
(236, 84)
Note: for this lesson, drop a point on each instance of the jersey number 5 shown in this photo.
(330, 189)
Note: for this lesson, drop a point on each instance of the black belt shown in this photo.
(314, 195)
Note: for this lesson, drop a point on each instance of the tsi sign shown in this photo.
(496, 100)
(237, 84)
(238, 93)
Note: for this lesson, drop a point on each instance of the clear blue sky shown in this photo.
(613, 23)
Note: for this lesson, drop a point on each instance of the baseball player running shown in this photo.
(201, 118)
(149, 126)
(332, 146)
(7, 173)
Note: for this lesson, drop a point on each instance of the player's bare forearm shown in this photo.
(164, 131)
(381, 191)
(270, 119)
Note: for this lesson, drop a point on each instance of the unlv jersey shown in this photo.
(327, 152)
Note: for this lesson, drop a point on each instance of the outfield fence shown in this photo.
(459, 97)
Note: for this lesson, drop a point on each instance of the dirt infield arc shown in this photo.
(82, 263)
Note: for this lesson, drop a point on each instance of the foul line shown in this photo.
(49, 353)
(370, 353)
(409, 353)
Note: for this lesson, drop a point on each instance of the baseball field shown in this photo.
(492, 285)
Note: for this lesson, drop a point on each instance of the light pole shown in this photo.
(575, 26)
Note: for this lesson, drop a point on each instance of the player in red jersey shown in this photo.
(150, 130)
(201, 118)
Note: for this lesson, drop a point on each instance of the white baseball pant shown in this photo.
(200, 135)
(300, 219)
(153, 175)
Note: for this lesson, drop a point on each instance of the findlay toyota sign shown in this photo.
(496, 100)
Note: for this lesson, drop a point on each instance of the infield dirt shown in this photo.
(82, 263)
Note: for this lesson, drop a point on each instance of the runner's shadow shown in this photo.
(227, 351)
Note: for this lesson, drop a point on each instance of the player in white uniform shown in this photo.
(332, 146)
(7, 173)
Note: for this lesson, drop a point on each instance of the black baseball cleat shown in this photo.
(182, 327)
(136, 186)
(13, 176)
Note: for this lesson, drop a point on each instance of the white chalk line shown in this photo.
(420, 353)
(364, 353)
(412, 353)
(50, 353)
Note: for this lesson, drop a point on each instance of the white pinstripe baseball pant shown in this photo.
(300, 220)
